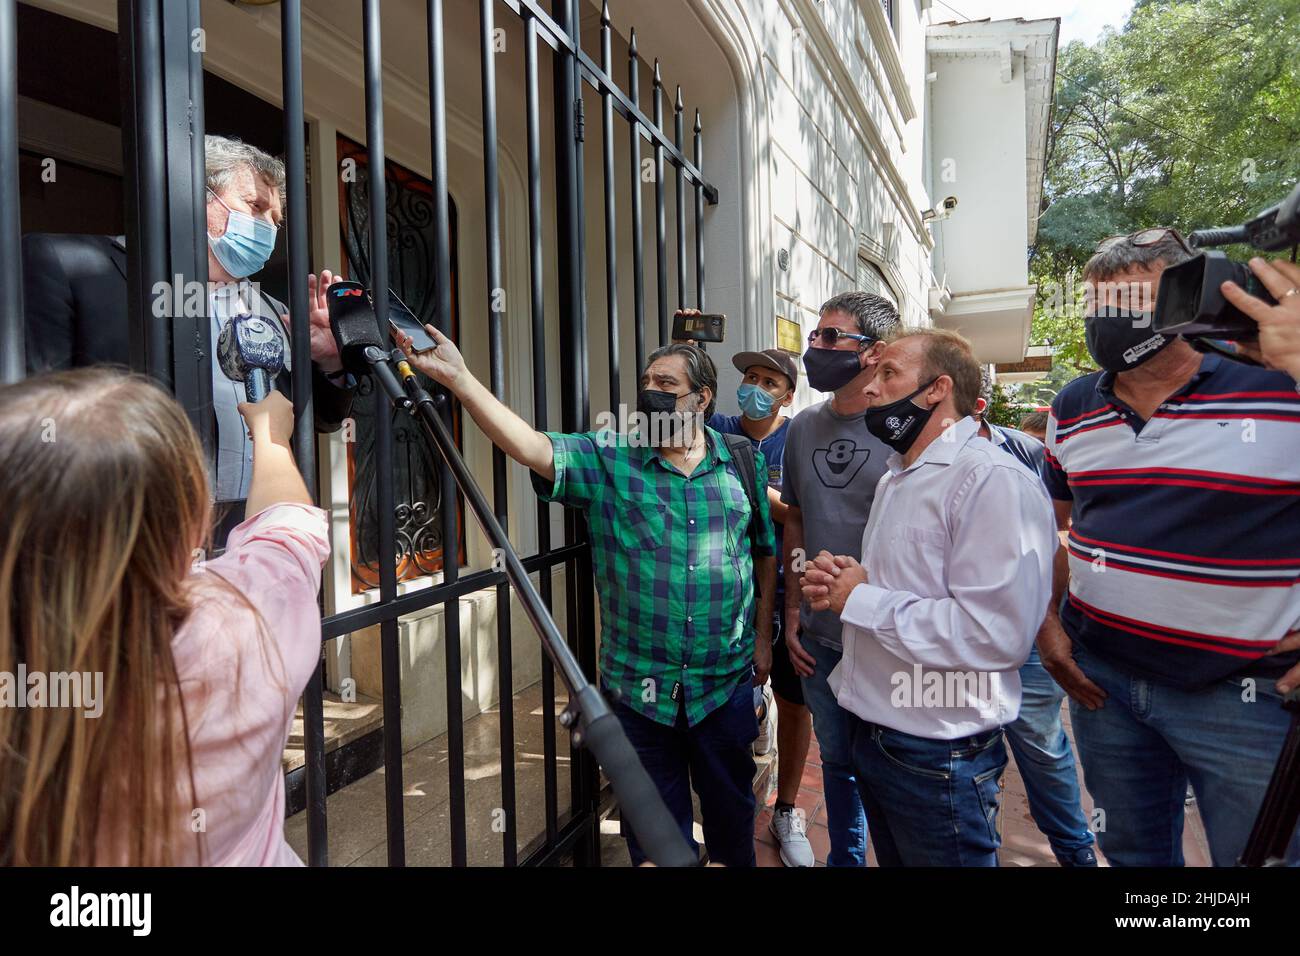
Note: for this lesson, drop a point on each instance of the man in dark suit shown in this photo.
(75, 292)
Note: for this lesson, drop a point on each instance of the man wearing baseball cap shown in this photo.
(770, 377)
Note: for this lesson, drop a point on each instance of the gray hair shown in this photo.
(1122, 256)
(225, 156)
(875, 315)
(700, 370)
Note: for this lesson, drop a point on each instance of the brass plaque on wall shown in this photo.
(789, 336)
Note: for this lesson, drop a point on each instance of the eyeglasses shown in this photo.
(1146, 237)
(831, 335)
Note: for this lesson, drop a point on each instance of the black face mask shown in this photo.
(1121, 339)
(899, 423)
(829, 370)
(663, 420)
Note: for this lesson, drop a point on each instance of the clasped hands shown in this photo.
(829, 580)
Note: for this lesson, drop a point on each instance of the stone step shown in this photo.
(345, 721)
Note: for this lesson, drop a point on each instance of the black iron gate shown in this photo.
(162, 97)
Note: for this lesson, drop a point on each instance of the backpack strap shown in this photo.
(742, 451)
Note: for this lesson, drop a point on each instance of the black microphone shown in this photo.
(251, 351)
(352, 320)
(356, 331)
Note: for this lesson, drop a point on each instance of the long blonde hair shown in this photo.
(103, 499)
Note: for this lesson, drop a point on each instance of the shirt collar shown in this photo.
(943, 450)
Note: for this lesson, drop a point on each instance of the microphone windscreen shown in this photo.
(246, 343)
(352, 320)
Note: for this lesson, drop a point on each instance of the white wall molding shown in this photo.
(884, 41)
(827, 58)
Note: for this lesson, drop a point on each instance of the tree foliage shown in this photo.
(1188, 117)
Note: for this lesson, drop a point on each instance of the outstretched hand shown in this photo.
(443, 363)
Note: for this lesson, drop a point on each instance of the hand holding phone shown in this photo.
(691, 325)
(402, 319)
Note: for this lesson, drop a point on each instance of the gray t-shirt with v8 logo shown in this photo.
(832, 467)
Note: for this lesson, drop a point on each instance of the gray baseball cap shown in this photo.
(774, 359)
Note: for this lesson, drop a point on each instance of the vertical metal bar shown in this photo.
(572, 304)
(295, 167)
(388, 632)
(661, 245)
(536, 302)
(699, 219)
(681, 204)
(185, 192)
(587, 850)
(304, 437)
(144, 163)
(580, 197)
(496, 363)
(447, 485)
(634, 151)
(567, 254)
(611, 198)
(13, 351)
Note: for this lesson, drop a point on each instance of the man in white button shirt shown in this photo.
(940, 614)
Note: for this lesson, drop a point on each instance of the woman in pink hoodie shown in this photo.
(195, 666)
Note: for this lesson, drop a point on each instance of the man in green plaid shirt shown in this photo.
(685, 591)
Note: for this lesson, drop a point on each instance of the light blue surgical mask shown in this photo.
(245, 245)
(754, 401)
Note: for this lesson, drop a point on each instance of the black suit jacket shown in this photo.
(74, 290)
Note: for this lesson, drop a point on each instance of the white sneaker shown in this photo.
(763, 708)
(788, 826)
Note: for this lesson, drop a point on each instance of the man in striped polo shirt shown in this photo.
(1177, 477)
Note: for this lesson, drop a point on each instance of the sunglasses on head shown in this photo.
(1146, 237)
(831, 335)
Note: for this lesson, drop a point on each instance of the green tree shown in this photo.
(1188, 117)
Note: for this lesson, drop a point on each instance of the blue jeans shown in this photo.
(930, 802)
(1145, 743)
(845, 818)
(716, 758)
(1046, 762)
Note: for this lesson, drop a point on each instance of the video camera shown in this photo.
(1189, 302)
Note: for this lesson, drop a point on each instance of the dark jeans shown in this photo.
(1143, 745)
(714, 757)
(930, 802)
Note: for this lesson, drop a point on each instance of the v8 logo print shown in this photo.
(840, 463)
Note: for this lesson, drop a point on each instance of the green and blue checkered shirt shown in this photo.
(673, 567)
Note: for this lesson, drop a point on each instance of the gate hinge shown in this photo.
(579, 121)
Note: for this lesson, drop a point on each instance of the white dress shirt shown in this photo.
(958, 554)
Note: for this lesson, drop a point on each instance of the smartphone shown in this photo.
(403, 319)
(706, 327)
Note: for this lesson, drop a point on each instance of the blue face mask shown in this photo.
(245, 245)
(754, 401)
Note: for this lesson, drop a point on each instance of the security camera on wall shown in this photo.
(943, 212)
